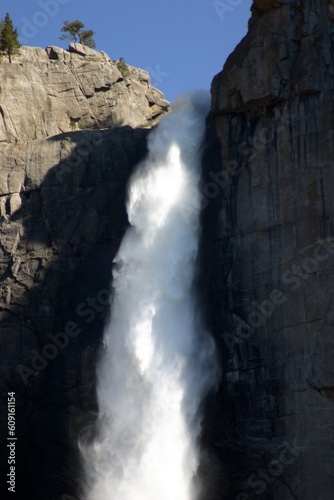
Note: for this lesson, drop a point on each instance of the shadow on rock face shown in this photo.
(57, 250)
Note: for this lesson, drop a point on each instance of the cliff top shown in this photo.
(287, 52)
(49, 91)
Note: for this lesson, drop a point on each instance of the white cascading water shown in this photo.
(158, 362)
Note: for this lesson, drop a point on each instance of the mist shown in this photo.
(158, 360)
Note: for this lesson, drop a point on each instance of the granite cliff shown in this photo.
(268, 254)
(73, 125)
(48, 92)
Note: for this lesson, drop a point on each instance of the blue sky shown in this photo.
(182, 43)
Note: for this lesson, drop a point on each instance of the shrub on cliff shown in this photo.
(9, 43)
(75, 31)
(123, 68)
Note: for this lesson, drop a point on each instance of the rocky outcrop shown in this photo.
(287, 57)
(48, 92)
(268, 255)
(267, 5)
(62, 208)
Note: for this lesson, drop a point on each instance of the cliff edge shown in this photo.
(73, 125)
(268, 254)
(45, 92)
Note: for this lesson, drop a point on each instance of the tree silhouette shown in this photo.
(9, 43)
(75, 31)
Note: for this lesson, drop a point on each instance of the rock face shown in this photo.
(268, 255)
(58, 239)
(62, 207)
(266, 260)
(48, 92)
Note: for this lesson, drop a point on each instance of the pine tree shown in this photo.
(75, 31)
(9, 43)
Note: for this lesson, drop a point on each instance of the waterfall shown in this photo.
(158, 361)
